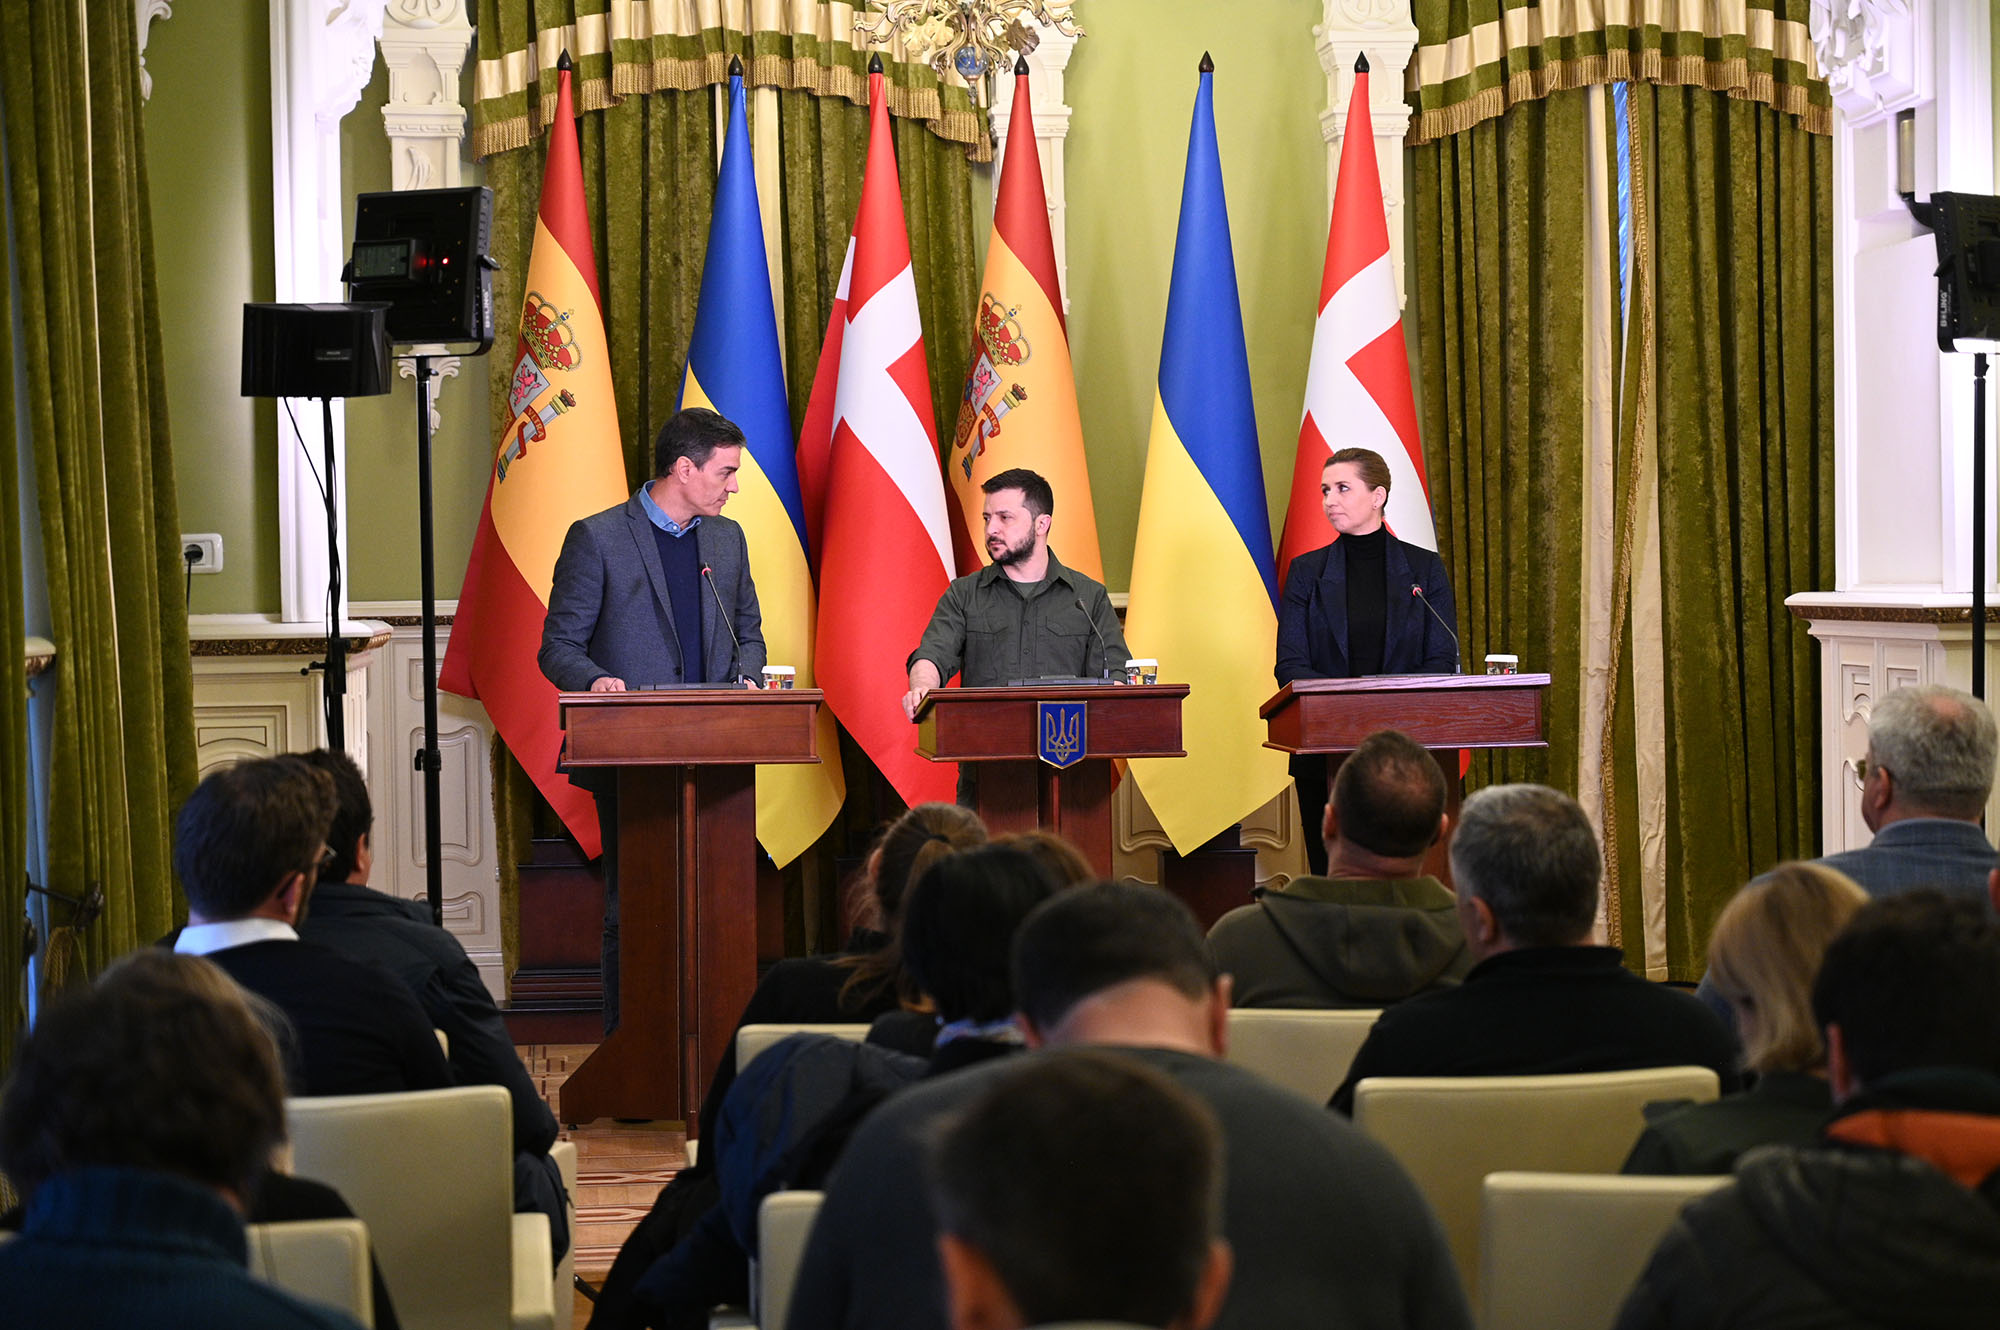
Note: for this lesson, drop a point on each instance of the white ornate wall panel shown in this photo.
(1383, 31)
(254, 697)
(1047, 66)
(471, 865)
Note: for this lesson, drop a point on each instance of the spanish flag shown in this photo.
(1204, 592)
(558, 461)
(1019, 404)
(733, 367)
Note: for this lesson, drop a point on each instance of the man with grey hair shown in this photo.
(1542, 997)
(1924, 786)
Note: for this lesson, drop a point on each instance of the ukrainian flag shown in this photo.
(1204, 583)
(733, 367)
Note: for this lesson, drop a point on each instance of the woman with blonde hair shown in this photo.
(1762, 958)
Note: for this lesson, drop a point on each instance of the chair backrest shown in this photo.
(322, 1259)
(754, 1039)
(1306, 1051)
(1561, 1251)
(1449, 1132)
(431, 1172)
(784, 1222)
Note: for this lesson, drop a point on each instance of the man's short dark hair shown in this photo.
(245, 828)
(353, 811)
(1091, 1182)
(1914, 981)
(1389, 795)
(959, 921)
(1096, 937)
(1036, 495)
(1530, 853)
(693, 432)
(163, 1065)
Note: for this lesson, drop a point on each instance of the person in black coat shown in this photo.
(352, 918)
(1366, 604)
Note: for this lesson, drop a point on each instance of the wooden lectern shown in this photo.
(685, 761)
(1017, 791)
(1443, 712)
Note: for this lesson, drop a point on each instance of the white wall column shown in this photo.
(322, 52)
(1383, 31)
(1900, 607)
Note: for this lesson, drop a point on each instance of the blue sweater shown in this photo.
(121, 1247)
(680, 561)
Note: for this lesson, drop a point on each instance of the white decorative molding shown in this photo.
(322, 52)
(442, 367)
(424, 44)
(149, 10)
(1863, 659)
(1867, 53)
(1382, 31)
(471, 866)
(1047, 66)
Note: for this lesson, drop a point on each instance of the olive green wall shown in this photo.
(382, 545)
(1131, 86)
(208, 148)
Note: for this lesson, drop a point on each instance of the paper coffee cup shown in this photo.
(780, 676)
(1142, 670)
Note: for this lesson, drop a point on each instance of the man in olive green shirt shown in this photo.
(1024, 616)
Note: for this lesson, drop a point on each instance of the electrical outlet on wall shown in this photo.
(202, 552)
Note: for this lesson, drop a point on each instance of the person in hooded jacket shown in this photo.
(1377, 928)
(1892, 1219)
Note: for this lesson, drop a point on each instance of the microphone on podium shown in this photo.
(1457, 652)
(707, 575)
(1103, 647)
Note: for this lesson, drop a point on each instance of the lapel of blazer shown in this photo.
(1403, 627)
(646, 547)
(1333, 595)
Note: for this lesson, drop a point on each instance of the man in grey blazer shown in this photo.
(655, 593)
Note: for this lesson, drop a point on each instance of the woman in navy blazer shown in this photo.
(1366, 604)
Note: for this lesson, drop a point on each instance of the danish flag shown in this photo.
(1358, 384)
(873, 487)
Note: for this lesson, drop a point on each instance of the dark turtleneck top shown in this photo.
(1367, 599)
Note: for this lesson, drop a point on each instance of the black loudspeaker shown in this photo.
(1967, 227)
(315, 350)
(424, 251)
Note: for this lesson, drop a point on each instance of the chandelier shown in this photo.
(970, 37)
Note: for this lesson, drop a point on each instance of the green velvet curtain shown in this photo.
(649, 177)
(123, 726)
(1496, 265)
(1742, 345)
(14, 786)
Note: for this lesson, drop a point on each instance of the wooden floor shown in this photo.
(620, 1167)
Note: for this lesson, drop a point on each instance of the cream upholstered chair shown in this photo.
(431, 1172)
(754, 1039)
(784, 1222)
(564, 1153)
(1449, 1132)
(325, 1260)
(1561, 1251)
(1306, 1051)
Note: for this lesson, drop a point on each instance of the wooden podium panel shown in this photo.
(1436, 710)
(685, 761)
(1017, 791)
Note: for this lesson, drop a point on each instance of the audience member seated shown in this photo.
(1924, 789)
(1542, 997)
(790, 1113)
(1328, 1232)
(916, 1027)
(1119, 1225)
(1376, 928)
(1893, 1217)
(248, 847)
(350, 917)
(139, 1115)
(1762, 958)
(863, 982)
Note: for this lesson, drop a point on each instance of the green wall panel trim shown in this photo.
(208, 142)
(1131, 87)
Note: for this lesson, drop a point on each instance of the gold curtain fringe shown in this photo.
(1732, 76)
(794, 74)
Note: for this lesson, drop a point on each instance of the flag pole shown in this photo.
(428, 760)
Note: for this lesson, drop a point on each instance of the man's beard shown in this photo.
(1012, 555)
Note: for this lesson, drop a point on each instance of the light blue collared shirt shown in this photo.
(658, 515)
